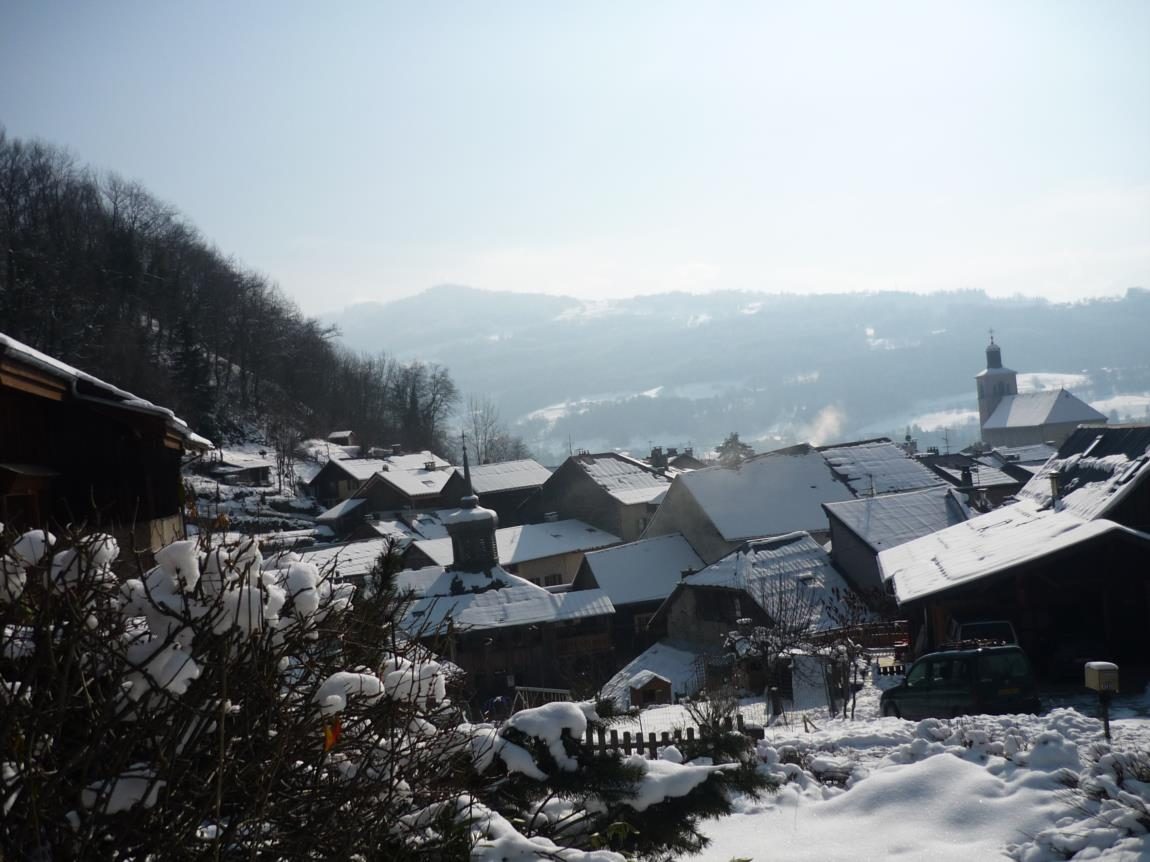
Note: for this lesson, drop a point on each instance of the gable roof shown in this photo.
(1048, 407)
(890, 520)
(507, 476)
(361, 469)
(987, 545)
(626, 479)
(642, 571)
(770, 494)
(878, 466)
(530, 542)
(1097, 469)
(84, 385)
(770, 570)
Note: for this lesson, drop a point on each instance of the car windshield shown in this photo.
(1003, 665)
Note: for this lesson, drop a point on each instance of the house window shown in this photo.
(641, 622)
(552, 580)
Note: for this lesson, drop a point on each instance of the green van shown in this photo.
(977, 680)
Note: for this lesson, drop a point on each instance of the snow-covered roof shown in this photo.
(629, 496)
(519, 603)
(415, 483)
(626, 479)
(334, 434)
(531, 542)
(768, 495)
(645, 677)
(439, 581)
(679, 663)
(392, 527)
(985, 546)
(339, 510)
(643, 571)
(507, 476)
(878, 466)
(415, 462)
(982, 474)
(349, 560)
(239, 459)
(88, 386)
(772, 570)
(1048, 407)
(1036, 453)
(358, 468)
(429, 525)
(890, 520)
(1097, 469)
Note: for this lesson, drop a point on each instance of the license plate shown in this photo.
(1008, 691)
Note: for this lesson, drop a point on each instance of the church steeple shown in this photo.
(995, 382)
(993, 353)
(472, 529)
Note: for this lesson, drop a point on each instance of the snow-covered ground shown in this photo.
(972, 788)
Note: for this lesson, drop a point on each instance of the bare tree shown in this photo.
(489, 435)
(482, 424)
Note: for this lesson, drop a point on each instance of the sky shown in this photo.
(367, 151)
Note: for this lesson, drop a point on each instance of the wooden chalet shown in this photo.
(613, 492)
(75, 450)
(1068, 564)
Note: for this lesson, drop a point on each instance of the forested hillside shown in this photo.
(98, 272)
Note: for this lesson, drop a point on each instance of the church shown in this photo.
(1009, 418)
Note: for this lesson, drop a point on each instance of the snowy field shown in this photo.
(1030, 788)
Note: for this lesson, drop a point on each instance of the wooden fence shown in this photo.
(600, 740)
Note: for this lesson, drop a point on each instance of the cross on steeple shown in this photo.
(992, 336)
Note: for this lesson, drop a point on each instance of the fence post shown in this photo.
(666, 738)
(727, 723)
(602, 736)
(690, 734)
(654, 746)
(678, 735)
(615, 740)
(626, 742)
(739, 722)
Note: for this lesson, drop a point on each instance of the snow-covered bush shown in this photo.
(219, 704)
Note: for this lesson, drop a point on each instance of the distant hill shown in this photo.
(677, 367)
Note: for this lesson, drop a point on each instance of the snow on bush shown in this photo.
(221, 704)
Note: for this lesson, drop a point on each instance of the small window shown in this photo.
(552, 580)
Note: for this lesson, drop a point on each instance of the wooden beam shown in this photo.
(32, 381)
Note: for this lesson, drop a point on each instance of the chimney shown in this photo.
(1055, 488)
(658, 461)
(429, 466)
(396, 448)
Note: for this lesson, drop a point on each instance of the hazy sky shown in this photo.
(370, 150)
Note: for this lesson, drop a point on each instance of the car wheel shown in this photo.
(889, 710)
